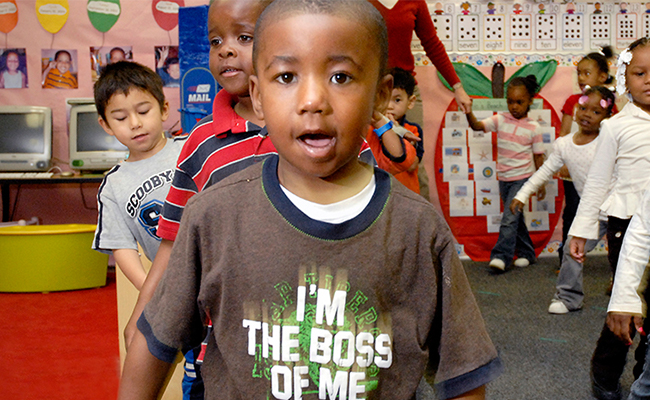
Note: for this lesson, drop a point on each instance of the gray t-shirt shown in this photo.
(130, 201)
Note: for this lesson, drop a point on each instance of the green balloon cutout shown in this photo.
(103, 14)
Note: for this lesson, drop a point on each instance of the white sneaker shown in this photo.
(522, 262)
(497, 264)
(557, 307)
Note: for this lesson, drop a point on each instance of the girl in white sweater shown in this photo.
(576, 151)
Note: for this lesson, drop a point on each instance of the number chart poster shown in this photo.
(467, 185)
(524, 25)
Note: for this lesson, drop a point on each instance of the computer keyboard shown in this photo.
(25, 175)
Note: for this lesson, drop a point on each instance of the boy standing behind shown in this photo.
(132, 107)
(334, 293)
(403, 99)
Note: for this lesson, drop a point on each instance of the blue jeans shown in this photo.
(513, 234)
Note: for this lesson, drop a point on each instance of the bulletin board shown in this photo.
(466, 180)
(524, 26)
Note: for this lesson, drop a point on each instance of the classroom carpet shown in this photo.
(59, 345)
(546, 357)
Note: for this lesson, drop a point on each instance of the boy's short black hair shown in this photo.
(120, 78)
(356, 10)
(402, 79)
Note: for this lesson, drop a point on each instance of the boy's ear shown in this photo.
(412, 99)
(105, 126)
(256, 96)
(164, 113)
(384, 92)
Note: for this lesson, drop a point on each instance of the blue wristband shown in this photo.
(383, 129)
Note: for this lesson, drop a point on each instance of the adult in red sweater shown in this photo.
(402, 18)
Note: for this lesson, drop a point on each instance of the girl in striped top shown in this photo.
(520, 153)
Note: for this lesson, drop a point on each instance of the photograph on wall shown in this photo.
(13, 69)
(100, 57)
(60, 68)
(168, 65)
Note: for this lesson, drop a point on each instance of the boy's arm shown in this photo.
(144, 375)
(158, 267)
(474, 123)
(385, 149)
(391, 141)
(129, 262)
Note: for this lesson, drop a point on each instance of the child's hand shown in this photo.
(577, 247)
(516, 206)
(410, 136)
(563, 173)
(463, 100)
(378, 119)
(541, 193)
(622, 324)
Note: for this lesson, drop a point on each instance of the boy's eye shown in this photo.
(340, 78)
(215, 42)
(286, 77)
(245, 38)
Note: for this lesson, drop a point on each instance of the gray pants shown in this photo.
(569, 281)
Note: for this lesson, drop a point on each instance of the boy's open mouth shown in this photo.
(317, 144)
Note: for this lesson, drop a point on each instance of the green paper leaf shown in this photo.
(474, 82)
(543, 71)
(103, 14)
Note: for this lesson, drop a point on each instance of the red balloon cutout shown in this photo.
(165, 12)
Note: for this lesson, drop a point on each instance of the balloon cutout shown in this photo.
(165, 12)
(103, 14)
(52, 14)
(8, 15)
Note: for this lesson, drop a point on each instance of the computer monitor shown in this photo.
(91, 148)
(25, 138)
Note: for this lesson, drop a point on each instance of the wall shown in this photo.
(135, 27)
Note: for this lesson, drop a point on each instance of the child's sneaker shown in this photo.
(557, 307)
(497, 265)
(522, 262)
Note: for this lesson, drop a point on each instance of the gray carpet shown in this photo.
(545, 356)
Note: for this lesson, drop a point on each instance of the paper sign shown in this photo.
(485, 171)
(8, 15)
(480, 152)
(165, 12)
(536, 221)
(455, 171)
(103, 14)
(493, 223)
(487, 204)
(454, 136)
(52, 14)
(487, 188)
(461, 198)
(456, 119)
(454, 153)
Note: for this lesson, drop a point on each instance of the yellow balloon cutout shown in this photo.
(52, 14)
